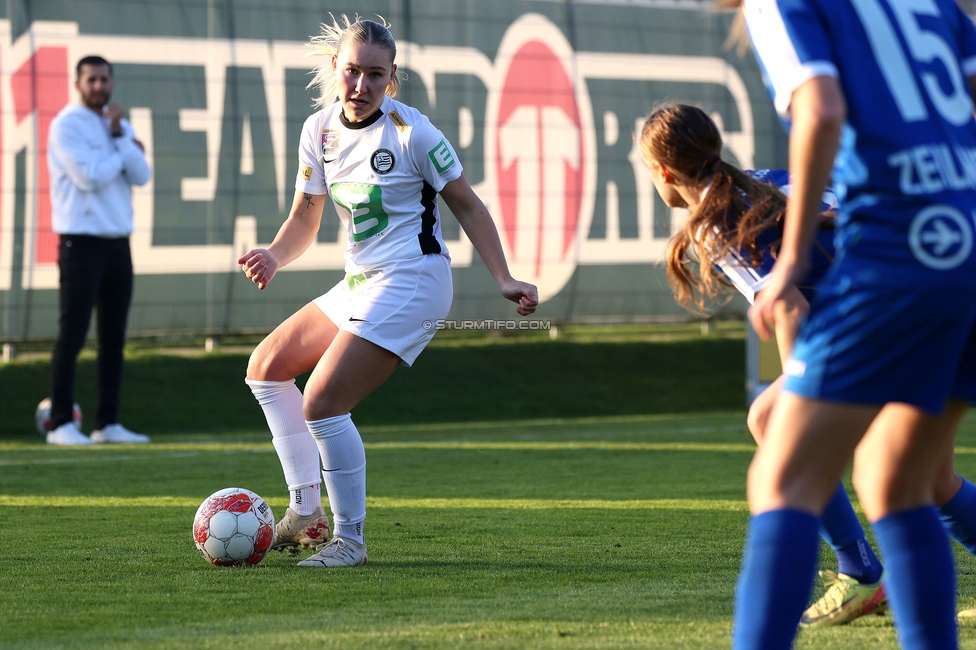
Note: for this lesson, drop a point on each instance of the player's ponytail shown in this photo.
(332, 38)
(734, 209)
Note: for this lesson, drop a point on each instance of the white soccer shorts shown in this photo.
(395, 306)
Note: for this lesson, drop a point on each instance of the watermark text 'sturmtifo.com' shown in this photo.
(488, 324)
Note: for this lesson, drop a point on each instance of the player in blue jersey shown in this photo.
(383, 165)
(884, 363)
(729, 240)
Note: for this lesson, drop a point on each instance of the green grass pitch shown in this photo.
(603, 532)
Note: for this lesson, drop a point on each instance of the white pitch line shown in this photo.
(570, 446)
(391, 502)
(92, 459)
(183, 450)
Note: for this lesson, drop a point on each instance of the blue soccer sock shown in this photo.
(921, 579)
(776, 579)
(958, 515)
(841, 529)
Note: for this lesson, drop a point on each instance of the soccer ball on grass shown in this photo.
(233, 526)
(42, 416)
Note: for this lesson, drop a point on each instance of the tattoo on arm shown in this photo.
(308, 199)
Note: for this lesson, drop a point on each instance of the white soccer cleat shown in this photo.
(306, 531)
(67, 434)
(118, 434)
(339, 552)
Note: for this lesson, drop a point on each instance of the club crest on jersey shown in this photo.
(382, 161)
(330, 145)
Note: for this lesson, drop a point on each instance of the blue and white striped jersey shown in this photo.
(748, 278)
(907, 178)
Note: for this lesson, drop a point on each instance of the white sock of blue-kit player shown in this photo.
(297, 452)
(344, 472)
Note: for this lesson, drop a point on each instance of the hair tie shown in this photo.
(710, 162)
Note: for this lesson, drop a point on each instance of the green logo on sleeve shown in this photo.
(441, 157)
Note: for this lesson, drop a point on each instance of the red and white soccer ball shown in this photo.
(42, 416)
(233, 526)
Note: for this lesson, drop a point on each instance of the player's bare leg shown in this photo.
(856, 587)
(806, 450)
(294, 347)
(895, 470)
(795, 472)
(351, 369)
(758, 416)
(890, 484)
(900, 457)
(953, 495)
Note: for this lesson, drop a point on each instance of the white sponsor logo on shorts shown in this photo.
(795, 368)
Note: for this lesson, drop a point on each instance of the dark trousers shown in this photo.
(95, 272)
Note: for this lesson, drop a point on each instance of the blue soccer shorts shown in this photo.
(874, 345)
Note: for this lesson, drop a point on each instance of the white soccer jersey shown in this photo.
(383, 176)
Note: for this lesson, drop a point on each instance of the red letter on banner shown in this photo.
(41, 85)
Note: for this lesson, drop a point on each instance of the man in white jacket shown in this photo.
(94, 160)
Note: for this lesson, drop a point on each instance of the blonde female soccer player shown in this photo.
(383, 164)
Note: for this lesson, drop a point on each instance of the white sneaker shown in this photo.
(337, 553)
(67, 434)
(117, 433)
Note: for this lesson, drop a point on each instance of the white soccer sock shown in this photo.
(297, 452)
(304, 501)
(344, 472)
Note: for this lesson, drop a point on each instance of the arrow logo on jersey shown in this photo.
(940, 237)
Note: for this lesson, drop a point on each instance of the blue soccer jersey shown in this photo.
(907, 168)
(748, 277)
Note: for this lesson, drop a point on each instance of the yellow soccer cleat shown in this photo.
(844, 600)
